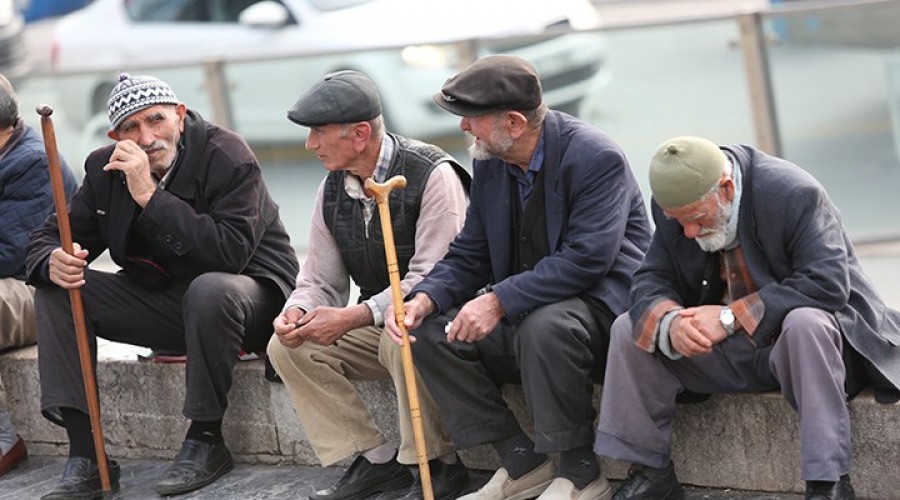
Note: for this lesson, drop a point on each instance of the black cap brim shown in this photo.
(460, 108)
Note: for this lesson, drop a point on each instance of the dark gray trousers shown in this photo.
(638, 401)
(549, 352)
(210, 319)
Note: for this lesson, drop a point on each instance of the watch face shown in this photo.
(726, 317)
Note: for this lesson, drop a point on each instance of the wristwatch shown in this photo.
(726, 318)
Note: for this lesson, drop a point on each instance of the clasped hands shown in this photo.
(696, 330)
(322, 325)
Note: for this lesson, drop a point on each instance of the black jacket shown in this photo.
(214, 215)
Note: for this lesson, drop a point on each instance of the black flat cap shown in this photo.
(339, 97)
(492, 83)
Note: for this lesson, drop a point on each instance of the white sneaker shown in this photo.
(501, 487)
(563, 489)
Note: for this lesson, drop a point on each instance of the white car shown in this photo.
(407, 47)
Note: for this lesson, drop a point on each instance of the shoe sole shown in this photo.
(225, 469)
(532, 492)
(607, 493)
(114, 488)
(386, 487)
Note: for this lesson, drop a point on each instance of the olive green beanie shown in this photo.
(683, 169)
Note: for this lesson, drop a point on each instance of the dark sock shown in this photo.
(207, 431)
(78, 427)
(579, 466)
(517, 454)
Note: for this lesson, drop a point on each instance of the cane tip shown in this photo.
(44, 110)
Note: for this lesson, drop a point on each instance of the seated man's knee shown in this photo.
(620, 332)
(389, 353)
(212, 283)
(806, 325)
(544, 327)
(213, 292)
(428, 338)
(283, 357)
(276, 352)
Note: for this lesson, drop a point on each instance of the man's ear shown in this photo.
(181, 111)
(362, 130)
(728, 187)
(112, 134)
(517, 123)
(360, 133)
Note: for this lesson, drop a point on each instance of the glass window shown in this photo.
(151, 11)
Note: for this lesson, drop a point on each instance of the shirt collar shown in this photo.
(353, 185)
(534, 166)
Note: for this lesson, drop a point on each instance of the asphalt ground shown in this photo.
(37, 475)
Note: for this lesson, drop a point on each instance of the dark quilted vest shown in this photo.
(363, 254)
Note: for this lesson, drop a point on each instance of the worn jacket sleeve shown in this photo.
(655, 290)
(323, 279)
(595, 215)
(84, 221)
(467, 265)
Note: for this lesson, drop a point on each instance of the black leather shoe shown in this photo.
(447, 480)
(364, 478)
(647, 483)
(81, 480)
(196, 465)
(828, 490)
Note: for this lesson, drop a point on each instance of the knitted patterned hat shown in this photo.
(133, 94)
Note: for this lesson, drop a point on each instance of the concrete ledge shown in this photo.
(745, 442)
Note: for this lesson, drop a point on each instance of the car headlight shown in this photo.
(427, 56)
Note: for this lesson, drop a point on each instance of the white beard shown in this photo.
(712, 242)
(716, 238)
(499, 144)
(478, 151)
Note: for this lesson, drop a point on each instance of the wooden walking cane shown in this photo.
(381, 192)
(84, 349)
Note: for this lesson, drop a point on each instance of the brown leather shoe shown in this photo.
(16, 455)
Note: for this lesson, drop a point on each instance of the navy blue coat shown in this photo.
(26, 197)
(597, 228)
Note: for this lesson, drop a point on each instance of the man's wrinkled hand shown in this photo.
(415, 312)
(131, 160)
(476, 320)
(286, 327)
(66, 270)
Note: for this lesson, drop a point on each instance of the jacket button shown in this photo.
(167, 238)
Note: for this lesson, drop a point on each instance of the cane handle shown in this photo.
(381, 191)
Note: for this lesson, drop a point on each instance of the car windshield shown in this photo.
(186, 11)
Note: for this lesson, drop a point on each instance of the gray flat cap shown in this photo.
(339, 97)
(492, 83)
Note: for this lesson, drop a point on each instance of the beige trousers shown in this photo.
(16, 320)
(336, 420)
